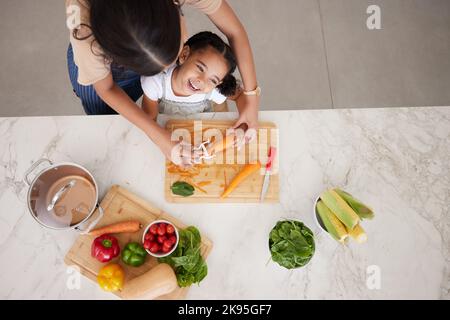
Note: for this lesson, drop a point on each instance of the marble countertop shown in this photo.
(397, 160)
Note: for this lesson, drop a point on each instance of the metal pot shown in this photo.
(62, 196)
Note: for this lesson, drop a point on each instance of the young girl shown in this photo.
(203, 74)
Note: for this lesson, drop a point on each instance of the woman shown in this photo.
(113, 42)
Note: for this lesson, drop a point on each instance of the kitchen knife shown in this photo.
(266, 183)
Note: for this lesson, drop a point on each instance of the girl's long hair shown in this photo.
(141, 35)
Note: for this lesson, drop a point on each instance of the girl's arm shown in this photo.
(117, 99)
(150, 107)
(228, 23)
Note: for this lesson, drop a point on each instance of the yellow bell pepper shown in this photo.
(111, 277)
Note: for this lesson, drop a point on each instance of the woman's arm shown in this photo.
(239, 99)
(117, 99)
(228, 23)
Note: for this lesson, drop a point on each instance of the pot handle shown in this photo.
(60, 194)
(93, 223)
(33, 167)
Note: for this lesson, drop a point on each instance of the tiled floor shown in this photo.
(309, 54)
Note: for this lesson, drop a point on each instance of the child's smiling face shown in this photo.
(199, 72)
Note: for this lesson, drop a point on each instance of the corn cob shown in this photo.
(340, 208)
(358, 234)
(331, 222)
(363, 211)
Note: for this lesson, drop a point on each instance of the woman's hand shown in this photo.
(180, 153)
(248, 119)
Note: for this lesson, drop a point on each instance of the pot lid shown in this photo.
(60, 199)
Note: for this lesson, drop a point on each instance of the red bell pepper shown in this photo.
(105, 248)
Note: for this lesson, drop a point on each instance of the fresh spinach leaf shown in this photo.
(189, 265)
(182, 188)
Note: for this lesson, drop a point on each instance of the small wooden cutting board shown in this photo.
(119, 205)
(210, 179)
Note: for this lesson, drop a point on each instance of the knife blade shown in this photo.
(266, 183)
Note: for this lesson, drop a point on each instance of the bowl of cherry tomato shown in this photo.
(160, 238)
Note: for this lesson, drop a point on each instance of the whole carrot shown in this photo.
(241, 176)
(119, 227)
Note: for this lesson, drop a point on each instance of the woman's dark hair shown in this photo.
(141, 35)
(207, 39)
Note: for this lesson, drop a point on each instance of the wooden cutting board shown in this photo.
(120, 205)
(210, 178)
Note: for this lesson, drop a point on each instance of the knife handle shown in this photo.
(270, 160)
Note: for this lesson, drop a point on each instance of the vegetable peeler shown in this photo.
(202, 147)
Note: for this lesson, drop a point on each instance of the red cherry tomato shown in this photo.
(168, 243)
(154, 229)
(170, 229)
(173, 239)
(154, 248)
(165, 249)
(162, 229)
(149, 236)
(147, 244)
(161, 239)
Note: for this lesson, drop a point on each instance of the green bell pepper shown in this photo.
(134, 254)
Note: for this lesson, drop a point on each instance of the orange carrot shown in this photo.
(120, 227)
(222, 145)
(241, 176)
